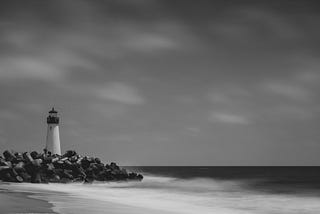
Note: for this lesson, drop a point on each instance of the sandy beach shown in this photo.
(42, 198)
(20, 202)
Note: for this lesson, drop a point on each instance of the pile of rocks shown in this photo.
(37, 167)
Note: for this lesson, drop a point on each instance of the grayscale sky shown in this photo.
(144, 82)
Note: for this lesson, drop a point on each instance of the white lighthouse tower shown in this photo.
(53, 138)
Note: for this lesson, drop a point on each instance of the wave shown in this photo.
(156, 194)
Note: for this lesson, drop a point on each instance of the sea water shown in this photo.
(192, 190)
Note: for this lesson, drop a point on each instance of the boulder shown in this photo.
(44, 167)
(34, 155)
(8, 156)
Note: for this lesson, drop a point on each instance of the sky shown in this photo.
(164, 82)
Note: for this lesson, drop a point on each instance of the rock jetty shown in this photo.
(44, 167)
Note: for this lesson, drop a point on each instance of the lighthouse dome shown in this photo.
(53, 111)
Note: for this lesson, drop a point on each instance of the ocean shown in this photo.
(191, 190)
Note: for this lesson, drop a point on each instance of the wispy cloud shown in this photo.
(253, 22)
(51, 64)
(228, 118)
(28, 68)
(152, 42)
(229, 94)
(120, 92)
(57, 53)
(288, 90)
(309, 77)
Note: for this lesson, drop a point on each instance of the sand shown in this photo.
(34, 198)
(18, 202)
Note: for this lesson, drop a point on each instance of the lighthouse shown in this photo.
(53, 138)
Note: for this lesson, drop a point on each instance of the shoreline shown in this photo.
(19, 202)
(39, 199)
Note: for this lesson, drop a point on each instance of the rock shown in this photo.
(7, 163)
(19, 167)
(18, 158)
(74, 159)
(140, 177)
(47, 159)
(19, 179)
(36, 177)
(34, 155)
(55, 179)
(54, 159)
(70, 167)
(8, 156)
(67, 174)
(85, 163)
(25, 176)
(8, 178)
(69, 153)
(4, 168)
(66, 164)
(97, 160)
(27, 157)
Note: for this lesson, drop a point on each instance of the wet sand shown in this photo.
(20, 202)
(18, 198)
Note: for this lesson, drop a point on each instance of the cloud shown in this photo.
(28, 67)
(150, 42)
(120, 92)
(229, 94)
(51, 64)
(219, 117)
(256, 23)
(289, 112)
(288, 90)
(63, 50)
(309, 77)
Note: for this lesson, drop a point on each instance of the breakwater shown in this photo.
(45, 167)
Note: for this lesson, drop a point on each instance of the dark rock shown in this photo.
(70, 167)
(7, 163)
(19, 167)
(36, 177)
(85, 163)
(70, 153)
(8, 156)
(47, 159)
(25, 176)
(54, 179)
(34, 155)
(140, 177)
(27, 157)
(67, 174)
(74, 159)
(18, 158)
(8, 178)
(114, 166)
(97, 160)
(19, 179)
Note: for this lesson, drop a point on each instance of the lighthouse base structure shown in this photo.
(53, 139)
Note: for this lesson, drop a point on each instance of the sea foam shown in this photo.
(156, 194)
